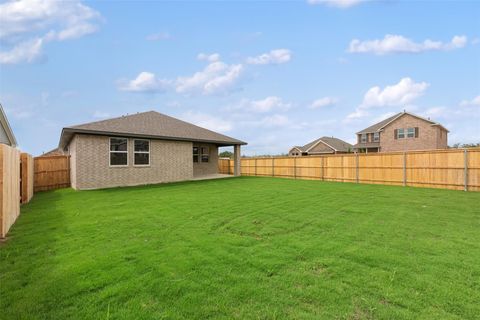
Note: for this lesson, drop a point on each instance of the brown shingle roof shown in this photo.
(149, 124)
(337, 144)
(380, 125)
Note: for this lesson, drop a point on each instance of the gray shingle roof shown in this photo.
(149, 124)
(337, 144)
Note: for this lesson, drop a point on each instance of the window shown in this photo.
(411, 133)
(205, 154)
(195, 154)
(141, 152)
(376, 136)
(400, 133)
(363, 138)
(118, 151)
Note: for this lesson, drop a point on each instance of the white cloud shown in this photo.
(207, 121)
(145, 82)
(397, 95)
(159, 36)
(27, 25)
(276, 120)
(269, 104)
(27, 51)
(399, 44)
(323, 102)
(216, 77)
(337, 3)
(474, 102)
(277, 56)
(208, 57)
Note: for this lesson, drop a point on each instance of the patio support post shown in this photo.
(236, 160)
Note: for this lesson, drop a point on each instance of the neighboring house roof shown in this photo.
(367, 145)
(6, 128)
(53, 152)
(334, 143)
(149, 124)
(382, 124)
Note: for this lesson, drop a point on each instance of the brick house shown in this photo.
(323, 145)
(402, 132)
(144, 148)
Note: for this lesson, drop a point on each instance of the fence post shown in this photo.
(273, 167)
(404, 169)
(465, 171)
(323, 168)
(295, 167)
(255, 166)
(356, 160)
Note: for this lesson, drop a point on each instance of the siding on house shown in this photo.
(169, 161)
(429, 136)
(3, 136)
(204, 168)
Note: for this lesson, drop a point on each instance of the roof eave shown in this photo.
(73, 131)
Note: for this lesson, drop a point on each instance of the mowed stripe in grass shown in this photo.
(244, 248)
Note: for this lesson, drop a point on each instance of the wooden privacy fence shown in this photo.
(26, 177)
(9, 187)
(457, 169)
(51, 172)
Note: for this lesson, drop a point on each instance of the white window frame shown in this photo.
(413, 133)
(143, 152)
(403, 133)
(376, 136)
(110, 152)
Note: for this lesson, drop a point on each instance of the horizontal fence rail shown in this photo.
(457, 169)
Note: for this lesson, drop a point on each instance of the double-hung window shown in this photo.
(401, 133)
(205, 154)
(376, 136)
(141, 152)
(118, 152)
(363, 138)
(411, 133)
(195, 154)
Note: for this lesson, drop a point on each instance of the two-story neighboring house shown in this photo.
(402, 132)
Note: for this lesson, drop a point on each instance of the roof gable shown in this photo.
(149, 124)
(331, 142)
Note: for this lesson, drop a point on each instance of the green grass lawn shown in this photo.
(244, 248)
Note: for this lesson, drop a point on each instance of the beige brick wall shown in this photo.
(169, 161)
(72, 149)
(428, 136)
(203, 168)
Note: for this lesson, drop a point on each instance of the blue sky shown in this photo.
(274, 74)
